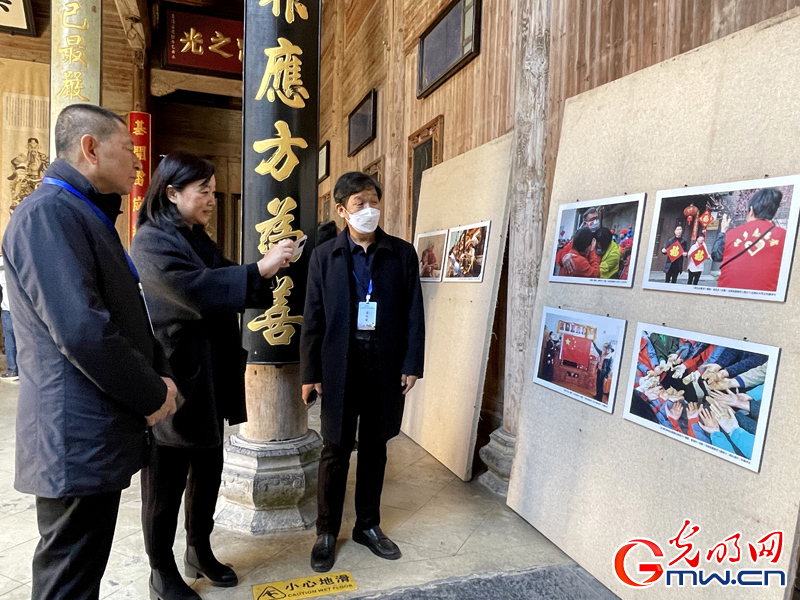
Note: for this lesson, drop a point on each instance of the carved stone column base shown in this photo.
(269, 486)
(497, 455)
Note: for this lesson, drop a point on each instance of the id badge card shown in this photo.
(367, 316)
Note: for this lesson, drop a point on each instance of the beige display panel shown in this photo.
(442, 410)
(592, 481)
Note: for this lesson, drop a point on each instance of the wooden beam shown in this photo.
(163, 82)
(135, 22)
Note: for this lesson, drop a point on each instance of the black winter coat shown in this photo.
(193, 304)
(89, 365)
(329, 322)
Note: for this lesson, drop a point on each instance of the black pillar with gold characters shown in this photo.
(279, 184)
(269, 481)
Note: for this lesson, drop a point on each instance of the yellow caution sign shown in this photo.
(306, 587)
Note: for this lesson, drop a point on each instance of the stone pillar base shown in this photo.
(497, 455)
(269, 486)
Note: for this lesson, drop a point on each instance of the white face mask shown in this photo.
(364, 221)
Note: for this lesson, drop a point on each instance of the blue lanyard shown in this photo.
(369, 289)
(106, 221)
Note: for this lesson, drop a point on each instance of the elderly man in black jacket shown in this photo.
(363, 344)
(92, 376)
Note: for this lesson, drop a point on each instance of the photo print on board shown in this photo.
(597, 241)
(733, 239)
(710, 392)
(579, 356)
(430, 251)
(466, 248)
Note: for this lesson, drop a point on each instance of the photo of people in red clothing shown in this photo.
(597, 241)
(579, 356)
(710, 392)
(430, 251)
(734, 239)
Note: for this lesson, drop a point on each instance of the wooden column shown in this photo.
(274, 410)
(526, 228)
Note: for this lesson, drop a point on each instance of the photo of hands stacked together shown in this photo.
(702, 392)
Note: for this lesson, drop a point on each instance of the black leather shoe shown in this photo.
(376, 540)
(168, 584)
(201, 562)
(323, 554)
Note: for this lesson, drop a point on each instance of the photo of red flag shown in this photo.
(576, 349)
(699, 255)
(675, 251)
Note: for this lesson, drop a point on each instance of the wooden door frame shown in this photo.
(433, 129)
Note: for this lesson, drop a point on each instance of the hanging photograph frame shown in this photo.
(442, 51)
(17, 18)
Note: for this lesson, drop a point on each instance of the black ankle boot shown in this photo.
(201, 562)
(167, 584)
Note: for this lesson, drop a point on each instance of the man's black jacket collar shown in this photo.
(343, 241)
(108, 203)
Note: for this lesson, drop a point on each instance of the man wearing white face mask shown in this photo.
(363, 345)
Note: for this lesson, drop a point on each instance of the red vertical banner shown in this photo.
(139, 127)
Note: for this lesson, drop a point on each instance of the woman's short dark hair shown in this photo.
(178, 170)
(582, 240)
(765, 203)
(353, 183)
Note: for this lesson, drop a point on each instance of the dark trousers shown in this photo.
(694, 277)
(360, 413)
(75, 543)
(198, 471)
(673, 272)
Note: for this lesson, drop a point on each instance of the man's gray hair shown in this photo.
(78, 120)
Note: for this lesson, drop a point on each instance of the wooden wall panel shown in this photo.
(594, 42)
(379, 49)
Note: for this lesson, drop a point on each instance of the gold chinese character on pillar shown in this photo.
(139, 128)
(276, 324)
(70, 10)
(291, 7)
(279, 227)
(283, 161)
(72, 88)
(138, 201)
(140, 152)
(74, 51)
(139, 179)
(282, 75)
(193, 40)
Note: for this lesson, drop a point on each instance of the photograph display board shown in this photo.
(710, 392)
(467, 250)
(579, 356)
(430, 250)
(702, 117)
(732, 239)
(598, 241)
(443, 410)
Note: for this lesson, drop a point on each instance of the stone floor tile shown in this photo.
(129, 520)
(502, 528)
(15, 530)
(13, 502)
(441, 531)
(15, 562)
(400, 494)
(425, 472)
(22, 592)
(8, 585)
(122, 571)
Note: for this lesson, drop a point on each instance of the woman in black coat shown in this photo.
(193, 294)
